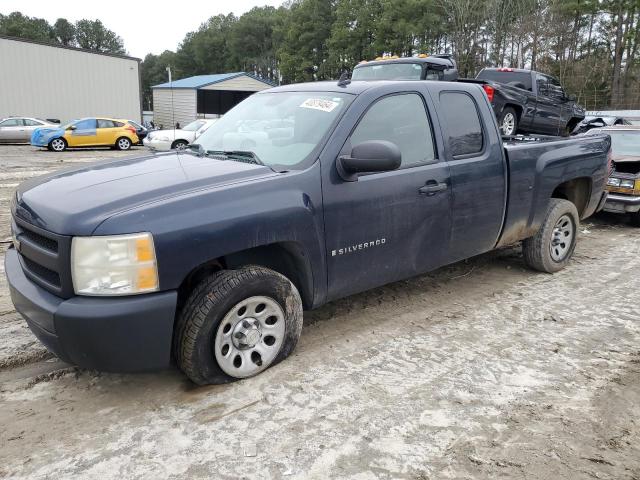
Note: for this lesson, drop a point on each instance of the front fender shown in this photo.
(193, 229)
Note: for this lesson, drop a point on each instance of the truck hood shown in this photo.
(75, 201)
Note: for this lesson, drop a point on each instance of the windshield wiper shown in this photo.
(245, 156)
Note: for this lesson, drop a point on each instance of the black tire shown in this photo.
(123, 143)
(209, 304)
(508, 115)
(179, 145)
(539, 251)
(57, 144)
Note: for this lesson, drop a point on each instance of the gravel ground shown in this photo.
(479, 370)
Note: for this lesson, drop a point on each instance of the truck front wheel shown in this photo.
(236, 324)
(551, 248)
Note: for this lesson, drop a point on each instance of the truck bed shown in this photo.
(555, 160)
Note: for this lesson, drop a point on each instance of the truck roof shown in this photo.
(447, 62)
(358, 87)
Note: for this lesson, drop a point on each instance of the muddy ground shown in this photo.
(479, 370)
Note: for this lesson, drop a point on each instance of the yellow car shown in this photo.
(87, 132)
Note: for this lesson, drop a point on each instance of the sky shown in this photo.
(145, 27)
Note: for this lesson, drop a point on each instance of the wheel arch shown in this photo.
(286, 258)
(577, 191)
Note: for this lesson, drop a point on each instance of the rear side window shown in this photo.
(463, 123)
(119, 124)
(105, 123)
(403, 120)
(515, 79)
(32, 123)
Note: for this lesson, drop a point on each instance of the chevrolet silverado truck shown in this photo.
(298, 196)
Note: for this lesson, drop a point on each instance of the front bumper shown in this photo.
(117, 334)
(155, 144)
(622, 203)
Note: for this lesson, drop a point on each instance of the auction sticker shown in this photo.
(319, 104)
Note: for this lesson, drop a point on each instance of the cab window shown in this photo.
(463, 124)
(105, 123)
(402, 120)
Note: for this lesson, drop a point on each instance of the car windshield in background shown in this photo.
(388, 71)
(624, 142)
(193, 126)
(281, 129)
(515, 79)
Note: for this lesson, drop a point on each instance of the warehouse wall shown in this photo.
(184, 106)
(49, 82)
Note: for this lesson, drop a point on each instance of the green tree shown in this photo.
(305, 33)
(31, 28)
(154, 72)
(251, 42)
(93, 35)
(65, 32)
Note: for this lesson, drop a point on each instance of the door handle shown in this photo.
(432, 187)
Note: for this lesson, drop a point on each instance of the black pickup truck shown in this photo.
(298, 196)
(529, 102)
(524, 101)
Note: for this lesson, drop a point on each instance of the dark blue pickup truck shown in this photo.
(298, 196)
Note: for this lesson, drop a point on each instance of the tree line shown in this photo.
(89, 34)
(591, 46)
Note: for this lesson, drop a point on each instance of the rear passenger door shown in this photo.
(107, 132)
(478, 171)
(387, 225)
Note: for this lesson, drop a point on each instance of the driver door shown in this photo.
(391, 225)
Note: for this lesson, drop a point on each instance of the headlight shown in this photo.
(614, 182)
(626, 184)
(114, 265)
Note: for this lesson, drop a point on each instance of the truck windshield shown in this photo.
(515, 79)
(388, 71)
(282, 129)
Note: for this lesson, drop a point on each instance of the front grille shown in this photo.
(43, 272)
(44, 242)
(45, 257)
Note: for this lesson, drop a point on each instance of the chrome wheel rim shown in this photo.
(508, 124)
(562, 238)
(249, 337)
(181, 146)
(57, 144)
(124, 144)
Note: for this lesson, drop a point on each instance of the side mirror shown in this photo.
(369, 156)
(72, 127)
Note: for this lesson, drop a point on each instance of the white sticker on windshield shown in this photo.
(319, 104)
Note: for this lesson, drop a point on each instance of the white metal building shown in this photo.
(210, 96)
(46, 81)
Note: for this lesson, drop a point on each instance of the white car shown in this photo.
(19, 129)
(178, 138)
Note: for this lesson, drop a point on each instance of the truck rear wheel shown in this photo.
(236, 324)
(551, 248)
(508, 121)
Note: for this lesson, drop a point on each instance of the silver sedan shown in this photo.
(19, 129)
